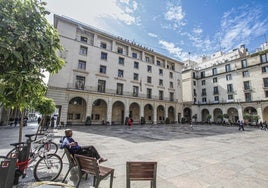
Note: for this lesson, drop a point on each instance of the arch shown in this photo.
(233, 115)
(249, 113)
(77, 110)
(171, 114)
(250, 110)
(160, 114)
(265, 114)
(205, 114)
(217, 114)
(187, 114)
(149, 113)
(99, 111)
(118, 113)
(134, 111)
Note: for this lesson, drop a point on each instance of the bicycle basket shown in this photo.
(23, 151)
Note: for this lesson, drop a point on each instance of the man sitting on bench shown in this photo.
(69, 143)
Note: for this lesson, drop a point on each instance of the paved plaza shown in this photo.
(208, 156)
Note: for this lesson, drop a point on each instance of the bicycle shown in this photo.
(47, 168)
(39, 145)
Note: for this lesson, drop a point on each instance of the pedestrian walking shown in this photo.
(191, 125)
(241, 125)
(265, 125)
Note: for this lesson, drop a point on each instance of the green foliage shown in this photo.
(226, 116)
(28, 48)
(220, 116)
(44, 105)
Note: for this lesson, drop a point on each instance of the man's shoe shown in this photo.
(101, 160)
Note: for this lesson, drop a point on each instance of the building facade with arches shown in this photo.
(108, 79)
(229, 87)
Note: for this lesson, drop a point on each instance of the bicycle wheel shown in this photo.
(48, 168)
(49, 148)
(11, 153)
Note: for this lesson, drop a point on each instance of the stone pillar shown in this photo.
(155, 114)
(109, 110)
(89, 107)
(240, 112)
(126, 114)
(259, 112)
(141, 110)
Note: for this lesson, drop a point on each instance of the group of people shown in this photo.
(74, 148)
(263, 125)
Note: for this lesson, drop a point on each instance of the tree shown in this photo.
(28, 48)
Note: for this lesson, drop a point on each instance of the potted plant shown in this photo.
(208, 118)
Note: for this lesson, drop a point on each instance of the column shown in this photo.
(259, 112)
(240, 113)
(141, 110)
(126, 114)
(155, 115)
(109, 110)
(89, 106)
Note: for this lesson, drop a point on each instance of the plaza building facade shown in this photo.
(235, 84)
(107, 79)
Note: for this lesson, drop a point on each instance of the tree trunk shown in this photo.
(21, 125)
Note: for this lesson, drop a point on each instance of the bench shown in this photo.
(89, 165)
(141, 171)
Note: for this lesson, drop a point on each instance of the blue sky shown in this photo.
(175, 27)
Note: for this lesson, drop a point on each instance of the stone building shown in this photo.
(109, 79)
(235, 83)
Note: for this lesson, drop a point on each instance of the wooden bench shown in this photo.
(89, 165)
(141, 171)
(71, 160)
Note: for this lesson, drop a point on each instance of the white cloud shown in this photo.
(121, 10)
(240, 26)
(175, 15)
(152, 35)
(172, 49)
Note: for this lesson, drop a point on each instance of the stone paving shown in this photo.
(208, 156)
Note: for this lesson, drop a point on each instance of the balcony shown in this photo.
(113, 92)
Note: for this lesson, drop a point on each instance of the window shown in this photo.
(136, 65)
(202, 74)
(120, 73)
(228, 77)
(161, 72)
(244, 63)
(265, 82)
(149, 68)
(160, 82)
(149, 79)
(104, 56)
(101, 86)
(194, 75)
(81, 65)
(266, 94)
(263, 58)
(135, 91)
(171, 96)
(80, 82)
(203, 82)
(158, 63)
(214, 71)
(121, 61)
(83, 39)
(247, 97)
(245, 73)
(229, 88)
(83, 50)
(246, 85)
(120, 50)
(103, 45)
(204, 92)
(134, 55)
(161, 95)
(170, 84)
(204, 99)
(170, 74)
(216, 98)
(195, 92)
(227, 68)
(149, 93)
(215, 90)
(119, 89)
(194, 83)
(230, 97)
(215, 80)
(265, 69)
(135, 76)
(103, 69)
(147, 59)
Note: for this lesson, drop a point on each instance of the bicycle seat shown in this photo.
(18, 143)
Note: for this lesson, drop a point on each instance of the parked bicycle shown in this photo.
(48, 164)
